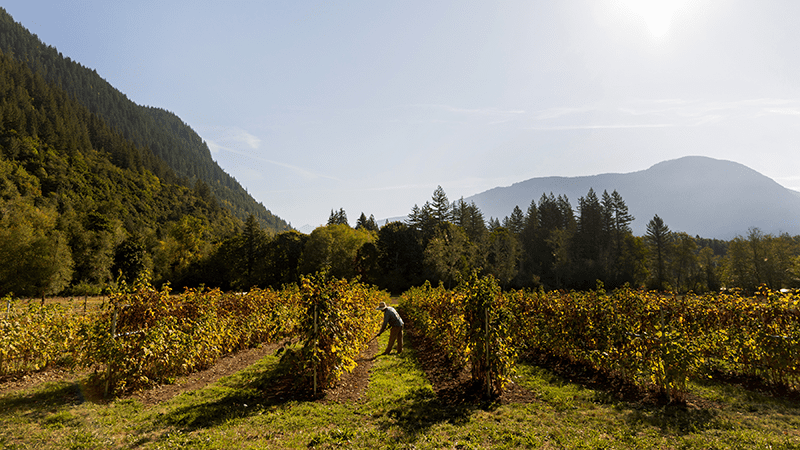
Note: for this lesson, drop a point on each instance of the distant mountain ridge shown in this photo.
(698, 195)
(160, 131)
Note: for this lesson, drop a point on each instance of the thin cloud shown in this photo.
(233, 136)
(439, 113)
(239, 135)
(599, 127)
(704, 112)
(659, 113)
(471, 111)
(305, 173)
(784, 111)
(213, 147)
(555, 113)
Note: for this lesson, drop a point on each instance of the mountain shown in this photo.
(159, 132)
(697, 195)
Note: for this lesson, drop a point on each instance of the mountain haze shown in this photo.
(697, 195)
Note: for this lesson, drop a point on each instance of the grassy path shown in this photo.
(399, 409)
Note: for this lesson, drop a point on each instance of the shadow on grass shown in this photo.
(262, 392)
(44, 401)
(646, 406)
(609, 388)
(755, 387)
(421, 409)
(452, 398)
(698, 413)
(675, 418)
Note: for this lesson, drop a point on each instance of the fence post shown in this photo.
(488, 367)
(316, 342)
(113, 336)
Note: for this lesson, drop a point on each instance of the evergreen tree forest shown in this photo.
(170, 148)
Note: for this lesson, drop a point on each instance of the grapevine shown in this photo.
(338, 322)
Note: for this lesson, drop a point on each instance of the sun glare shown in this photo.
(656, 14)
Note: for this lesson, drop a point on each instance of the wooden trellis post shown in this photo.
(113, 336)
(488, 367)
(316, 343)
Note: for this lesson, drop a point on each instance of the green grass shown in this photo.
(399, 410)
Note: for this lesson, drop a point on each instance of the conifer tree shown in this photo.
(516, 222)
(367, 224)
(338, 218)
(590, 234)
(470, 218)
(658, 240)
(440, 207)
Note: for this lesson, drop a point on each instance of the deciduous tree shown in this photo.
(334, 248)
(36, 260)
(502, 255)
(449, 255)
(399, 254)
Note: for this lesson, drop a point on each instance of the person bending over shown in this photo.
(391, 319)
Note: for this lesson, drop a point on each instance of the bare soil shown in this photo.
(349, 389)
(225, 366)
(28, 380)
(352, 386)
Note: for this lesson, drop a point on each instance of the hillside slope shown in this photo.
(699, 195)
(79, 203)
(162, 132)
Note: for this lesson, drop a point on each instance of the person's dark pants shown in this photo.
(396, 333)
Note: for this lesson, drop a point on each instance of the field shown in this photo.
(251, 397)
(399, 401)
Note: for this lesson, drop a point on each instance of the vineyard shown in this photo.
(686, 349)
(647, 339)
(145, 337)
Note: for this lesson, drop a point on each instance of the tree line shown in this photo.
(551, 246)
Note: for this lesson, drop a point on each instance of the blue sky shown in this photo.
(369, 105)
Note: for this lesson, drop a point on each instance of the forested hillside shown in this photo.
(79, 203)
(162, 132)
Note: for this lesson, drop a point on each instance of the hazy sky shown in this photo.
(369, 105)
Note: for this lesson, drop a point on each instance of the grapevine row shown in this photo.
(648, 338)
(149, 336)
(339, 320)
(38, 337)
(470, 325)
